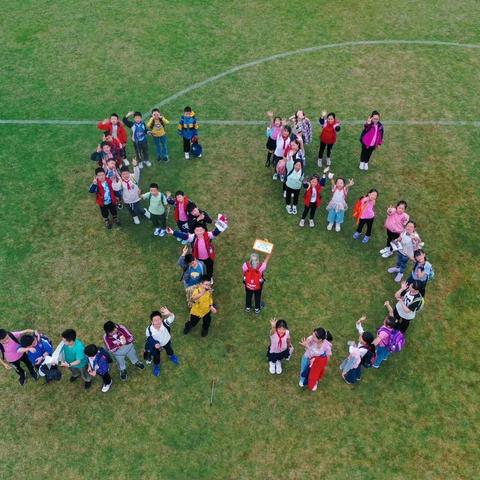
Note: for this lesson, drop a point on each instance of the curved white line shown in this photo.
(300, 51)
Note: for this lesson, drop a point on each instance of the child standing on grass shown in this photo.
(105, 197)
(302, 126)
(187, 129)
(180, 212)
(338, 204)
(159, 337)
(273, 132)
(282, 148)
(318, 350)
(395, 223)
(406, 244)
(293, 184)
(73, 352)
(11, 357)
(422, 271)
(139, 137)
(131, 192)
(371, 138)
(312, 198)
(386, 341)
(193, 271)
(280, 345)
(156, 126)
(409, 303)
(202, 306)
(99, 364)
(119, 341)
(328, 137)
(365, 214)
(253, 280)
(156, 208)
(361, 355)
(114, 127)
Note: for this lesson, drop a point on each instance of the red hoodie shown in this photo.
(121, 132)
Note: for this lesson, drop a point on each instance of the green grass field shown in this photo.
(415, 418)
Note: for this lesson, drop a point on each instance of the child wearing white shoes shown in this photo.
(338, 204)
(293, 185)
(312, 198)
(156, 208)
(280, 345)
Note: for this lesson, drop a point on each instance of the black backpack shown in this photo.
(369, 358)
(51, 374)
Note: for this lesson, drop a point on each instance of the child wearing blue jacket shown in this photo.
(188, 129)
(99, 364)
(139, 137)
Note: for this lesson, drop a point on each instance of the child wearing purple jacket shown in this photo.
(371, 138)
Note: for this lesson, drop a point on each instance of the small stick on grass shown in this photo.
(212, 395)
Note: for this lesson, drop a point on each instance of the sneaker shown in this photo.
(187, 155)
(365, 239)
(282, 178)
(284, 194)
(365, 166)
(148, 163)
(148, 362)
(329, 226)
(393, 270)
(398, 277)
(106, 388)
(156, 370)
(23, 380)
(346, 381)
(314, 389)
(126, 162)
(204, 333)
(248, 309)
(275, 176)
(384, 250)
(156, 232)
(87, 385)
(174, 359)
(120, 206)
(186, 329)
(179, 240)
(199, 156)
(108, 225)
(329, 161)
(136, 220)
(140, 164)
(311, 223)
(271, 367)
(338, 227)
(123, 375)
(301, 384)
(289, 209)
(278, 367)
(294, 210)
(387, 254)
(147, 214)
(35, 377)
(258, 310)
(356, 235)
(361, 165)
(302, 223)
(319, 162)
(159, 159)
(162, 233)
(72, 378)
(184, 242)
(140, 365)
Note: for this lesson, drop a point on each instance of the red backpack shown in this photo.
(358, 209)
(252, 278)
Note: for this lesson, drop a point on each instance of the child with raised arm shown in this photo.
(312, 198)
(139, 137)
(338, 204)
(202, 306)
(105, 196)
(156, 126)
(274, 129)
(318, 349)
(280, 347)
(188, 128)
(371, 138)
(365, 214)
(328, 137)
(395, 223)
(114, 127)
(156, 208)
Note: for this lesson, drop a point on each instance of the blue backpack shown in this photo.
(196, 149)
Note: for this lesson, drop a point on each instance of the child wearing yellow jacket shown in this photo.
(156, 126)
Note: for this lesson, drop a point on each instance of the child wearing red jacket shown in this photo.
(114, 127)
(312, 198)
(180, 211)
(330, 127)
(106, 197)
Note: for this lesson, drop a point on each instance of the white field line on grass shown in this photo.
(246, 123)
(271, 58)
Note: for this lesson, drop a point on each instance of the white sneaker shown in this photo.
(361, 165)
(278, 367)
(314, 389)
(300, 384)
(311, 223)
(294, 210)
(329, 161)
(148, 163)
(338, 227)
(156, 232)
(284, 194)
(200, 156)
(147, 214)
(383, 250)
(399, 277)
(271, 368)
(187, 156)
(329, 226)
(289, 209)
(106, 388)
(302, 223)
(275, 176)
(365, 166)
(136, 220)
(140, 164)
(393, 270)
(162, 232)
(319, 162)
(387, 254)
(126, 162)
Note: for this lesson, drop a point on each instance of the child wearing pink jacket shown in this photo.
(395, 223)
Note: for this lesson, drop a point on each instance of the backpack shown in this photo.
(252, 278)
(369, 358)
(12, 337)
(357, 209)
(51, 374)
(106, 354)
(196, 148)
(396, 339)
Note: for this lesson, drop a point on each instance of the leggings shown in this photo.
(366, 153)
(312, 208)
(292, 192)
(156, 355)
(186, 145)
(208, 262)
(322, 149)
(106, 209)
(368, 222)
(390, 237)
(20, 371)
(249, 294)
